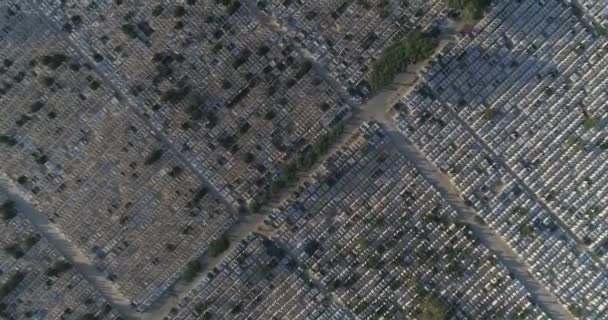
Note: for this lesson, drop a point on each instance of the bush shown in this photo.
(218, 246)
(413, 48)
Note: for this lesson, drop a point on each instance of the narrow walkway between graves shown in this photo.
(488, 237)
(563, 226)
(69, 250)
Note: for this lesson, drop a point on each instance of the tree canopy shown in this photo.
(413, 48)
(218, 246)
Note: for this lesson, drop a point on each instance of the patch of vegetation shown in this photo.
(523, 314)
(603, 145)
(198, 196)
(177, 94)
(311, 247)
(32, 240)
(413, 48)
(8, 140)
(53, 61)
(14, 250)
(232, 6)
(157, 10)
(576, 143)
(192, 269)
(599, 29)
(175, 171)
(22, 120)
(306, 159)
(576, 311)
(154, 156)
(591, 122)
(432, 309)
(361, 306)
(361, 244)
(489, 114)
(218, 246)
(526, 230)
(40, 158)
(58, 268)
(473, 10)
(89, 316)
(11, 284)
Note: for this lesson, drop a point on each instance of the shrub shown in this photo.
(154, 156)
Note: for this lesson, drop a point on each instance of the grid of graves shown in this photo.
(378, 236)
(235, 98)
(347, 35)
(36, 281)
(98, 171)
(598, 10)
(258, 280)
(522, 137)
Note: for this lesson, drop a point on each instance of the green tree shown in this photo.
(413, 48)
(218, 246)
(192, 269)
